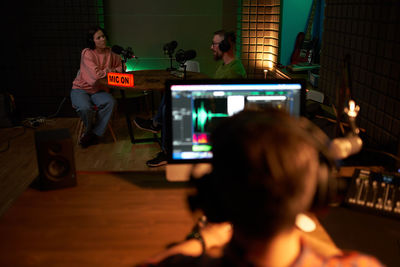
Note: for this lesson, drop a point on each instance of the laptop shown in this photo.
(194, 107)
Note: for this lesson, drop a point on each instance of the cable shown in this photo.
(334, 121)
(33, 122)
(59, 108)
(384, 153)
(40, 120)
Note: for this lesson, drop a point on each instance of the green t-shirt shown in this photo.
(233, 70)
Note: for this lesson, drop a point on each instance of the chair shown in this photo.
(81, 128)
(192, 65)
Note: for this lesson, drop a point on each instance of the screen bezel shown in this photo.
(168, 102)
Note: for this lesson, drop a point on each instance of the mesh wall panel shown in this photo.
(45, 39)
(369, 32)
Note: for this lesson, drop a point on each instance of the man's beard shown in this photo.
(217, 56)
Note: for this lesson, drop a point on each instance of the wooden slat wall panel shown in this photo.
(260, 23)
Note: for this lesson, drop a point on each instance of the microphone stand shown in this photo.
(351, 144)
(170, 60)
(183, 65)
(352, 112)
(125, 105)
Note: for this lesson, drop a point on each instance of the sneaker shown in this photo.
(147, 125)
(159, 160)
(88, 140)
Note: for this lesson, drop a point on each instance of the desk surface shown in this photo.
(108, 219)
(155, 79)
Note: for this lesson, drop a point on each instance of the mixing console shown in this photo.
(376, 192)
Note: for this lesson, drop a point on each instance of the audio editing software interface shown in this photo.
(197, 108)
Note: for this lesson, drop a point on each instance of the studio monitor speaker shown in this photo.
(55, 155)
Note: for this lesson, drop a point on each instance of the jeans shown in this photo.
(159, 119)
(83, 103)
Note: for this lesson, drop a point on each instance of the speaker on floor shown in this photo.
(55, 155)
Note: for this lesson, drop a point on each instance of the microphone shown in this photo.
(126, 53)
(182, 56)
(351, 144)
(343, 147)
(170, 47)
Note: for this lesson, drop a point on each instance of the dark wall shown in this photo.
(43, 41)
(146, 26)
(369, 32)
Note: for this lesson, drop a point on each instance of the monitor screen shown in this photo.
(194, 107)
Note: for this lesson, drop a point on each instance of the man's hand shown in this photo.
(216, 234)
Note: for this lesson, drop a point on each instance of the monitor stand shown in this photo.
(181, 172)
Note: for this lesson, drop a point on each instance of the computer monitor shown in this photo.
(194, 107)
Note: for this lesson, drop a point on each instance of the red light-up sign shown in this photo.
(120, 79)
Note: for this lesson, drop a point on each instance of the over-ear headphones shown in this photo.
(209, 199)
(326, 186)
(225, 45)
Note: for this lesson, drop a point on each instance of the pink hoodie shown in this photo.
(94, 66)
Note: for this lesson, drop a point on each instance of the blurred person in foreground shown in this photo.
(265, 169)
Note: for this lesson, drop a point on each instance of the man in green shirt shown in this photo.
(229, 67)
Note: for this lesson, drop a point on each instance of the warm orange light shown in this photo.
(120, 79)
(265, 74)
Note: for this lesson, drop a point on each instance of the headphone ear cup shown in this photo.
(326, 192)
(224, 46)
(207, 198)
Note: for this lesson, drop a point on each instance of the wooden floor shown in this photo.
(120, 213)
(19, 165)
(108, 219)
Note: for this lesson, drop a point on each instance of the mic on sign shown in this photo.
(126, 53)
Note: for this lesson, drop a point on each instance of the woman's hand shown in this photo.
(101, 85)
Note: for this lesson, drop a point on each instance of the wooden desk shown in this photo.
(108, 219)
(155, 79)
(149, 80)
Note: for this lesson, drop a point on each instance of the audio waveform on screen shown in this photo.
(201, 116)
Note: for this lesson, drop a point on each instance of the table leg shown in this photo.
(128, 118)
(129, 123)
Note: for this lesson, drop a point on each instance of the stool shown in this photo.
(81, 128)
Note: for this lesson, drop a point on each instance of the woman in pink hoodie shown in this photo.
(87, 96)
